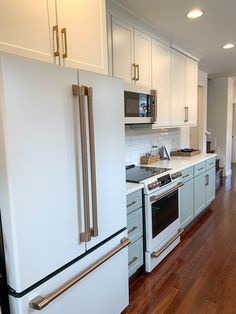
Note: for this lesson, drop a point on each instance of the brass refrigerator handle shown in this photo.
(40, 302)
(158, 197)
(154, 113)
(55, 30)
(63, 32)
(89, 93)
(133, 72)
(137, 76)
(155, 254)
(80, 91)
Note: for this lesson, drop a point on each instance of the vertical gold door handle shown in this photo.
(185, 114)
(55, 31)
(94, 229)
(80, 91)
(133, 72)
(137, 76)
(63, 32)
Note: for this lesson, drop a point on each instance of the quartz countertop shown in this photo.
(133, 187)
(180, 163)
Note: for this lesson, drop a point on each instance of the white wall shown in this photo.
(219, 117)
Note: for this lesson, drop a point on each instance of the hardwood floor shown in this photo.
(199, 276)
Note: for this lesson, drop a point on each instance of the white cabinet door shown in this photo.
(186, 195)
(85, 26)
(109, 154)
(24, 29)
(142, 55)
(161, 81)
(199, 193)
(44, 186)
(178, 78)
(191, 90)
(122, 48)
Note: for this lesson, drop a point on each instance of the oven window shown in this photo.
(164, 212)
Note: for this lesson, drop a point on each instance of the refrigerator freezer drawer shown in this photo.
(102, 291)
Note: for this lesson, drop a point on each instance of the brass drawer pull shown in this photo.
(132, 203)
(133, 260)
(212, 163)
(40, 302)
(200, 168)
(132, 229)
(187, 175)
(155, 254)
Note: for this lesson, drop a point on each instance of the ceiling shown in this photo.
(205, 36)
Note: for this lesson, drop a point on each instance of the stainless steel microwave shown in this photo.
(140, 107)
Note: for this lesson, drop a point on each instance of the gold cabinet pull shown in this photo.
(137, 76)
(56, 32)
(131, 204)
(63, 32)
(94, 229)
(186, 114)
(154, 106)
(80, 91)
(207, 179)
(40, 302)
(187, 175)
(133, 72)
(155, 254)
(132, 229)
(133, 260)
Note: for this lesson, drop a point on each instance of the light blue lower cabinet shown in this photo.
(135, 256)
(210, 185)
(199, 193)
(186, 203)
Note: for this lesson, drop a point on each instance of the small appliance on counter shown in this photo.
(186, 152)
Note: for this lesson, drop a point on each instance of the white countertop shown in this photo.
(180, 163)
(133, 187)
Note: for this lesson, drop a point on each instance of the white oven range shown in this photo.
(162, 223)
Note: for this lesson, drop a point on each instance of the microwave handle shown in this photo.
(154, 96)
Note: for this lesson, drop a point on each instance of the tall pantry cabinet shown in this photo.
(71, 33)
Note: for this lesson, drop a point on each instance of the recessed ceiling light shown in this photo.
(194, 14)
(228, 46)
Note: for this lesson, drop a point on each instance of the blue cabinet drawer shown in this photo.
(187, 174)
(135, 225)
(210, 163)
(135, 256)
(199, 168)
(134, 201)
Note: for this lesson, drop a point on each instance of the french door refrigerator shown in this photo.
(62, 189)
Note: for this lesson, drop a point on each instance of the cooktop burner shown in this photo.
(136, 174)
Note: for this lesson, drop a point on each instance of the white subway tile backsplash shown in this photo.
(139, 141)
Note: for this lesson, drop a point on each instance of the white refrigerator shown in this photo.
(62, 189)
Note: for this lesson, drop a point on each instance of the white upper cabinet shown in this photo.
(191, 90)
(142, 57)
(82, 34)
(178, 82)
(123, 55)
(161, 81)
(70, 33)
(24, 29)
(131, 55)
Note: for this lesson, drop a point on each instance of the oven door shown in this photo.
(162, 216)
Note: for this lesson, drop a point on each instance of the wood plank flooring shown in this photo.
(199, 276)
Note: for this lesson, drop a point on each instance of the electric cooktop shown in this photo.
(136, 174)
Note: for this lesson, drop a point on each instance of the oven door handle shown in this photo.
(155, 198)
